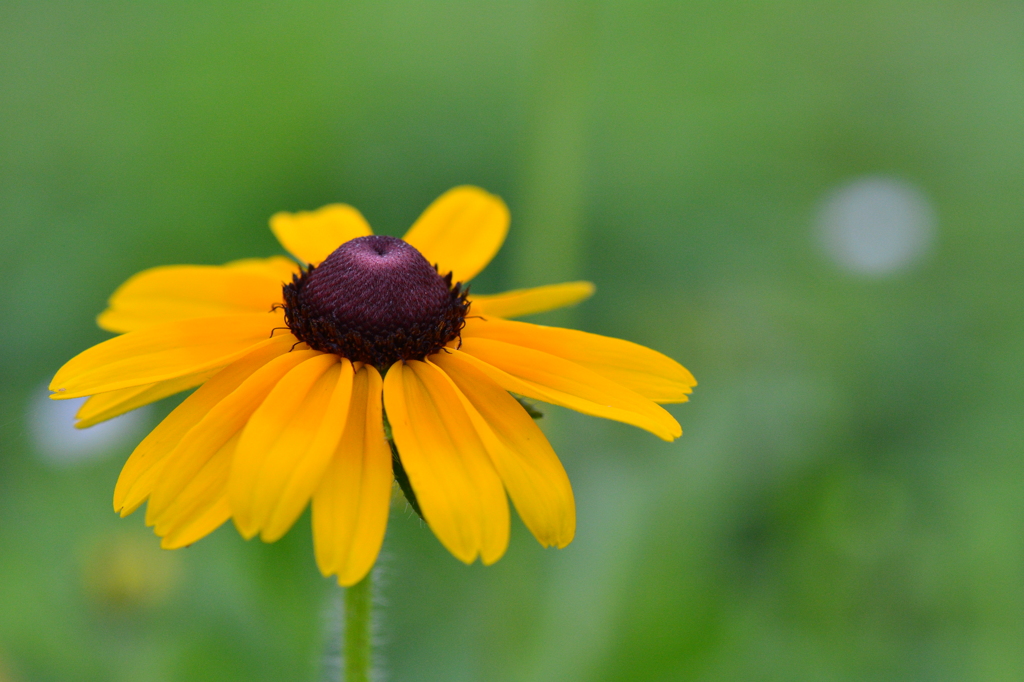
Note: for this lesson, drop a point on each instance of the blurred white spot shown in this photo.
(876, 225)
(56, 440)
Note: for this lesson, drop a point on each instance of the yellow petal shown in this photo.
(542, 376)
(461, 231)
(533, 476)
(180, 292)
(638, 368)
(104, 406)
(457, 487)
(287, 444)
(519, 302)
(350, 507)
(203, 441)
(199, 508)
(278, 268)
(162, 352)
(143, 468)
(311, 236)
(199, 527)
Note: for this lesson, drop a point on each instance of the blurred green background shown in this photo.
(815, 206)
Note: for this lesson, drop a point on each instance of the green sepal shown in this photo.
(403, 480)
(528, 406)
(400, 475)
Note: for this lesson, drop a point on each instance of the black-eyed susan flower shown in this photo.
(303, 373)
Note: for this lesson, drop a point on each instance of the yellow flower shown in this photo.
(297, 368)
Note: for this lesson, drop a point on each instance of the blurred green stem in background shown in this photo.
(357, 645)
(550, 220)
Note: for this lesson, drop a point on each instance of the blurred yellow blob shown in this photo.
(123, 573)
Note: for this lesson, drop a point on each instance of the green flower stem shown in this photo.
(357, 645)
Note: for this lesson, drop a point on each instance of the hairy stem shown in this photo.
(357, 645)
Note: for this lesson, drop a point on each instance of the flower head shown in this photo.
(300, 369)
(375, 300)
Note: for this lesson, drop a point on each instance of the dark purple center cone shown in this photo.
(376, 300)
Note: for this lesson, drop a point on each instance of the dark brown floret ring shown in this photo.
(376, 300)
